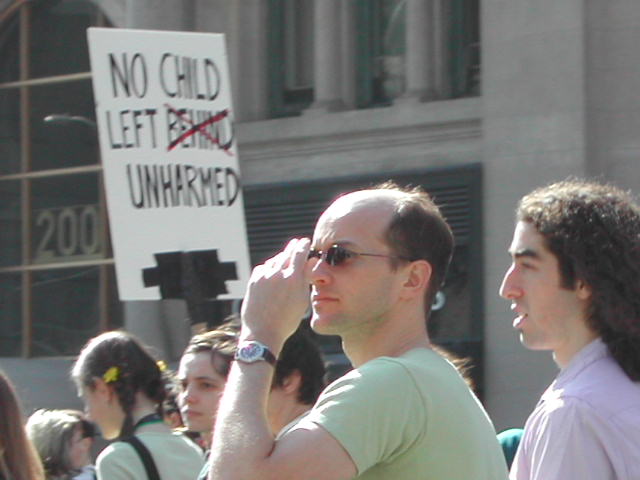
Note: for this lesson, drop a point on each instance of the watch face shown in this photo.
(250, 352)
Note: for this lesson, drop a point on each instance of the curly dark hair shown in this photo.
(138, 371)
(594, 231)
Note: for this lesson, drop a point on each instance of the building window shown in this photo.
(464, 39)
(57, 284)
(381, 49)
(291, 56)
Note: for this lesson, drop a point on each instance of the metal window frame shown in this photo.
(22, 8)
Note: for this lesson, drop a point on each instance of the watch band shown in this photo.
(253, 351)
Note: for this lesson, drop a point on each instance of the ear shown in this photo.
(87, 442)
(583, 290)
(103, 389)
(292, 383)
(417, 279)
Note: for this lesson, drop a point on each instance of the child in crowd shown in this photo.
(123, 389)
(63, 439)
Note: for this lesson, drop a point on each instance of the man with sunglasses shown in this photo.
(376, 261)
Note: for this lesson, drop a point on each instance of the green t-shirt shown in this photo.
(175, 456)
(411, 417)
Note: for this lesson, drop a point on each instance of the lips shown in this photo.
(317, 297)
(521, 316)
(317, 300)
(517, 322)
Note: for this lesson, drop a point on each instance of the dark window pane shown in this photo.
(10, 315)
(58, 37)
(63, 129)
(10, 224)
(291, 33)
(389, 69)
(465, 48)
(65, 310)
(9, 49)
(66, 219)
(381, 48)
(9, 131)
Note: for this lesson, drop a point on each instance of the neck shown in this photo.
(142, 407)
(392, 338)
(579, 339)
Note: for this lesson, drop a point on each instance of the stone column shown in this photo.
(420, 50)
(348, 54)
(247, 42)
(327, 56)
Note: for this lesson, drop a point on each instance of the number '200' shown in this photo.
(68, 232)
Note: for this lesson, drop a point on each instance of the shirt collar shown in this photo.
(589, 354)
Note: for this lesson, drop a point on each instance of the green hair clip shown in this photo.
(111, 375)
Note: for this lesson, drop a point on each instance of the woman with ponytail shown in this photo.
(123, 389)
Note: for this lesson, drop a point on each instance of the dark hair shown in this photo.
(51, 432)
(18, 458)
(172, 391)
(418, 231)
(136, 369)
(593, 230)
(301, 353)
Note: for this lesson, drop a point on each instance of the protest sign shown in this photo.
(165, 122)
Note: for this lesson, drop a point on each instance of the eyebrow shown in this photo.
(525, 253)
(201, 377)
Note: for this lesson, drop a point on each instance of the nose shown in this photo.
(320, 272)
(510, 288)
(186, 396)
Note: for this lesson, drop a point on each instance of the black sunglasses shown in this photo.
(336, 255)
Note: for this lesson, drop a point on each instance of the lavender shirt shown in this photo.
(586, 426)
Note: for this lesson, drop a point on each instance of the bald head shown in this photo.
(366, 206)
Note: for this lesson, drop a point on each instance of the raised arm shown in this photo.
(243, 445)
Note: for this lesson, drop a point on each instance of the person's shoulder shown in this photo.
(386, 373)
(174, 441)
(116, 457)
(603, 387)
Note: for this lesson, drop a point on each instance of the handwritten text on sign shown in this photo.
(169, 150)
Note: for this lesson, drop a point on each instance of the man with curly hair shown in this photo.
(574, 285)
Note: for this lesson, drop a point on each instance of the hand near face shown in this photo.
(277, 296)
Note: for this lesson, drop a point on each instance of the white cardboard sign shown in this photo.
(165, 122)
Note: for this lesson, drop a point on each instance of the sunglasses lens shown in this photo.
(313, 253)
(336, 255)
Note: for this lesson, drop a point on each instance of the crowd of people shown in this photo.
(249, 398)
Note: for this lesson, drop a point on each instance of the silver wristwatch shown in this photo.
(253, 351)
